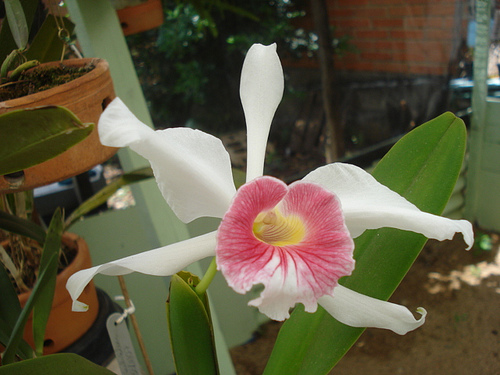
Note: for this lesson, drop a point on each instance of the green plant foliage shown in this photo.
(10, 309)
(190, 327)
(190, 74)
(55, 364)
(43, 305)
(18, 225)
(32, 136)
(17, 22)
(423, 167)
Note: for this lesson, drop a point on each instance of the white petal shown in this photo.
(367, 204)
(261, 90)
(192, 168)
(164, 261)
(358, 310)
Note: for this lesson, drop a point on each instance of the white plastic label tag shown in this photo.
(122, 345)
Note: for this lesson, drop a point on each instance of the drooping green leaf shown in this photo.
(18, 330)
(190, 327)
(47, 45)
(55, 364)
(7, 43)
(32, 136)
(106, 192)
(24, 351)
(423, 167)
(10, 309)
(43, 305)
(17, 22)
(18, 225)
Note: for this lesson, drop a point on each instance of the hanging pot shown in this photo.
(64, 326)
(142, 17)
(86, 96)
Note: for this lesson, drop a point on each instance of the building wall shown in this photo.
(410, 37)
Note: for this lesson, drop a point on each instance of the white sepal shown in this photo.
(164, 261)
(367, 204)
(358, 310)
(261, 90)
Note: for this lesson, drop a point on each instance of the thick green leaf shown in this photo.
(43, 305)
(55, 364)
(18, 330)
(32, 136)
(7, 43)
(190, 327)
(423, 167)
(47, 46)
(17, 22)
(106, 192)
(24, 351)
(10, 309)
(18, 225)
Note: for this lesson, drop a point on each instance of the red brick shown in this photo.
(354, 23)
(388, 23)
(407, 34)
(424, 22)
(407, 10)
(384, 56)
(370, 34)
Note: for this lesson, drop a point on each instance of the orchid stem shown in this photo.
(202, 286)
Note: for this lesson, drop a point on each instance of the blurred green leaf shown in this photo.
(190, 327)
(55, 364)
(10, 309)
(18, 330)
(32, 136)
(43, 305)
(47, 45)
(106, 192)
(7, 43)
(17, 22)
(423, 167)
(18, 225)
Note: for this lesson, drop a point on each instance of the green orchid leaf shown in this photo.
(24, 350)
(190, 327)
(32, 136)
(43, 305)
(55, 364)
(423, 167)
(47, 45)
(7, 44)
(18, 330)
(10, 309)
(18, 225)
(106, 192)
(17, 22)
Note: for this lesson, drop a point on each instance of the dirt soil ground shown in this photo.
(461, 292)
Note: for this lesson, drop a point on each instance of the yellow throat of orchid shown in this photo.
(275, 229)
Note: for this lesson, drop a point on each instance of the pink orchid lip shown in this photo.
(292, 239)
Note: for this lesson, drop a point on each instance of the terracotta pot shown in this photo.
(142, 17)
(65, 326)
(87, 97)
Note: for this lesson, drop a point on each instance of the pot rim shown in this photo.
(101, 66)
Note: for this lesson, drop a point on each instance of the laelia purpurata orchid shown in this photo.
(296, 240)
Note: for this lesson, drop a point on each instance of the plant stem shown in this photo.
(202, 287)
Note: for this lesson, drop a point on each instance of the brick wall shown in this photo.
(398, 36)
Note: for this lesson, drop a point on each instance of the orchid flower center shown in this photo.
(275, 229)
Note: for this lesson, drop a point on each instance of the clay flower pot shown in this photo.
(142, 17)
(65, 326)
(86, 96)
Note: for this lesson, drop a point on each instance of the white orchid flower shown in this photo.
(296, 240)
